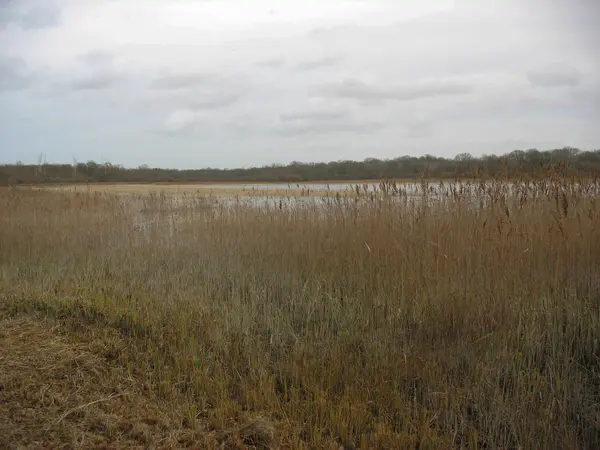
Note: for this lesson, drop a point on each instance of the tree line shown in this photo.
(464, 165)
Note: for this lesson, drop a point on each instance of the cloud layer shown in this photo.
(30, 14)
(225, 83)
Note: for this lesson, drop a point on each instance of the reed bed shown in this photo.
(447, 315)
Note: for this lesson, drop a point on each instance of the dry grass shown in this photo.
(62, 387)
(467, 317)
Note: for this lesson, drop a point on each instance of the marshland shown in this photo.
(447, 314)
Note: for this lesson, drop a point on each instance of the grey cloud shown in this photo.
(188, 120)
(317, 63)
(323, 122)
(330, 31)
(30, 15)
(442, 43)
(317, 115)
(178, 130)
(40, 17)
(180, 122)
(196, 90)
(93, 71)
(588, 99)
(272, 63)
(182, 81)
(420, 129)
(358, 90)
(317, 32)
(211, 96)
(96, 81)
(214, 101)
(416, 77)
(317, 127)
(97, 58)
(279, 62)
(13, 74)
(554, 75)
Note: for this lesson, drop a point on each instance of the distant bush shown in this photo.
(463, 166)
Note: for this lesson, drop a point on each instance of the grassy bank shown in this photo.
(463, 318)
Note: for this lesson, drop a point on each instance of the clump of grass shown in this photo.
(447, 315)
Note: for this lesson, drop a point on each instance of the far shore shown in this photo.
(241, 184)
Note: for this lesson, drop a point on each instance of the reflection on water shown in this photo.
(284, 186)
(168, 208)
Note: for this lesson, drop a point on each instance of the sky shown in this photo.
(234, 83)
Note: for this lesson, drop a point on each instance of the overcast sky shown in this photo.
(233, 83)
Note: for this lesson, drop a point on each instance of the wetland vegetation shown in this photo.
(464, 316)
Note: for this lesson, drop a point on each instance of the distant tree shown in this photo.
(572, 152)
(463, 165)
(463, 157)
(517, 155)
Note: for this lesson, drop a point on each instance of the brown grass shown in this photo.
(467, 316)
(61, 386)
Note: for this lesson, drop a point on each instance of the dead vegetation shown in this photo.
(456, 316)
(61, 386)
(62, 390)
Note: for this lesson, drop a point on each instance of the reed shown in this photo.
(445, 315)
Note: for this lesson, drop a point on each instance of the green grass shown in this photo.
(373, 321)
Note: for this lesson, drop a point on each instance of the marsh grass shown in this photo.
(457, 315)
